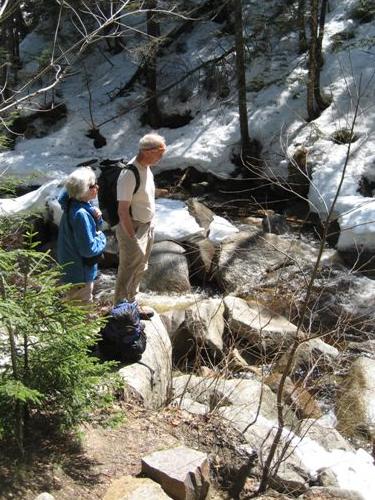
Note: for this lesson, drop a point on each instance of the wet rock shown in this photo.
(336, 302)
(200, 253)
(182, 472)
(245, 259)
(299, 173)
(168, 270)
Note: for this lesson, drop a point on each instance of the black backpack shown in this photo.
(123, 338)
(107, 181)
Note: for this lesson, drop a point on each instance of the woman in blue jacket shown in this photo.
(80, 237)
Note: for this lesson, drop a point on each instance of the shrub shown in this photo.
(344, 136)
(46, 366)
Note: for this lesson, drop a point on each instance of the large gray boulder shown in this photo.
(215, 393)
(200, 326)
(245, 259)
(168, 269)
(327, 436)
(258, 327)
(335, 305)
(314, 353)
(151, 380)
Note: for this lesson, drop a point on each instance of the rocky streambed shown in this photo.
(227, 317)
(232, 302)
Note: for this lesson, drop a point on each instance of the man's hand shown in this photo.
(161, 192)
(125, 219)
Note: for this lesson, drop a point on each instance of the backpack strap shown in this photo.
(134, 169)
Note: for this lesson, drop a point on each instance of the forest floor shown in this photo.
(84, 465)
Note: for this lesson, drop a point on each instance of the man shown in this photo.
(135, 231)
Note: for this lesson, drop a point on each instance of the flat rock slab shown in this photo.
(132, 488)
(182, 472)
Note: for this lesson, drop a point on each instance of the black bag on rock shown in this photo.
(123, 337)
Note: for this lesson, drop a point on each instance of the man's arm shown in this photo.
(125, 218)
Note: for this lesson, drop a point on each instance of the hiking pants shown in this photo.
(133, 259)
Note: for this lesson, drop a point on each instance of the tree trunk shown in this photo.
(312, 64)
(322, 104)
(153, 30)
(241, 78)
(302, 41)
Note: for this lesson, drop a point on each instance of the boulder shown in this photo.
(328, 437)
(296, 396)
(215, 393)
(355, 406)
(258, 327)
(311, 354)
(246, 258)
(151, 379)
(134, 488)
(202, 214)
(299, 173)
(200, 254)
(367, 348)
(258, 428)
(336, 304)
(199, 327)
(182, 472)
(168, 269)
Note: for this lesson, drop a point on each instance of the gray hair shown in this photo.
(79, 182)
(151, 141)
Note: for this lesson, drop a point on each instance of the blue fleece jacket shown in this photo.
(78, 239)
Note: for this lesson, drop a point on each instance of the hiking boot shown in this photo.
(145, 313)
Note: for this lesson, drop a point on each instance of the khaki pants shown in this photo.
(81, 293)
(133, 259)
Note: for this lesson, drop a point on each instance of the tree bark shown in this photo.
(312, 64)
(153, 30)
(322, 104)
(302, 40)
(241, 78)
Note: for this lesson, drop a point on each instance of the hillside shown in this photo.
(276, 95)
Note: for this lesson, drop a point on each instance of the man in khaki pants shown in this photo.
(135, 231)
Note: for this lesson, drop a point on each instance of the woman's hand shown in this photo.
(96, 213)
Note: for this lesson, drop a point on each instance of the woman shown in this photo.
(79, 239)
